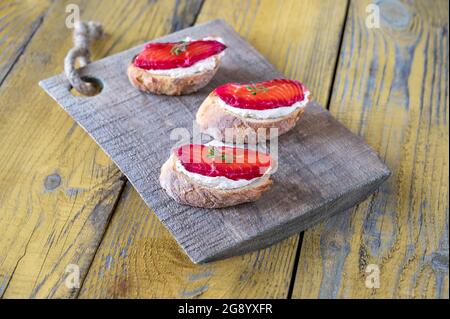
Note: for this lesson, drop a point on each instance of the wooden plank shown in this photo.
(57, 188)
(391, 88)
(138, 257)
(19, 20)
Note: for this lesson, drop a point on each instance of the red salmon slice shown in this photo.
(231, 162)
(262, 95)
(170, 55)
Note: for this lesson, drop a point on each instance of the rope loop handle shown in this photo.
(83, 35)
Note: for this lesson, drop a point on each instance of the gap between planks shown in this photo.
(175, 27)
(327, 106)
(113, 210)
(24, 46)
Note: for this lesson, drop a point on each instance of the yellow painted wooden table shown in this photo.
(66, 210)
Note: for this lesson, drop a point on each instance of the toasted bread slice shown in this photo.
(216, 121)
(186, 191)
(166, 85)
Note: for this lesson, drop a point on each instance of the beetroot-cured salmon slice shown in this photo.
(231, 162)
(262, 95)
(170, 55)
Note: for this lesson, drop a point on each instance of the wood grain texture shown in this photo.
(19, 20)
(322, 167)
(391, 88)
(138, 257)
(185, 13)
(57, 188)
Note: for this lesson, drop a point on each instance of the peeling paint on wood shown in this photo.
(392, 88)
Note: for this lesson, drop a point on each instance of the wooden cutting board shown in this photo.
(323, 167)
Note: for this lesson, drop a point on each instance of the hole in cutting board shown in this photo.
(98, 85)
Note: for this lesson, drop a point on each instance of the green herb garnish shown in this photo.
(228, 158)
(213, 153)
(178, 48)
(253, 89)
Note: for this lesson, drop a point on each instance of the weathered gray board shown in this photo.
(323, 167)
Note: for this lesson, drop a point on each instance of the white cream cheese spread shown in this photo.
(218, 182)
(200, 66)
(265, 114)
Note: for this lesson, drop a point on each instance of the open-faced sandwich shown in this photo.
(238, 110)
(176, 68)
(216, 175)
